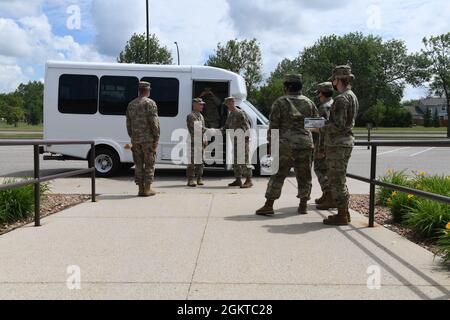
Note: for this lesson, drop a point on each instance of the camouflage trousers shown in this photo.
(301, 161)
(242, 169)
(321, 168)
(337, 159)
(195, 170)
(144, 157)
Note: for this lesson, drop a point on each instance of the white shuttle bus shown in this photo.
(88, 101)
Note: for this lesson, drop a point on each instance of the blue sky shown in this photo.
(33, 31)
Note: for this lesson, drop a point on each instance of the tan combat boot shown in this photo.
(267, 209)
(328, 203)
(141, 190)
(303, 207)
(321, 199)
(148, 192)
(247, 184)
(200, 181)
(236, 183)
(191, 183)
(341, 219)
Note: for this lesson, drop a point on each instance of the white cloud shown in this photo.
(282, 27)
(10, 77)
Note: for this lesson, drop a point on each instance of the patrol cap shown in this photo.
(228, 99)
(293, 78)
(324, 87)
(198, 100)
(145, 85)
(342, 72)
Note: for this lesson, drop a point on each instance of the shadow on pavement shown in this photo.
(296, 229)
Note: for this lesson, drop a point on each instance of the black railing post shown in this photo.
(37, 189)
(373, 173)
(92, 166)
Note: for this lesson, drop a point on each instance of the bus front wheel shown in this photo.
(107, 162)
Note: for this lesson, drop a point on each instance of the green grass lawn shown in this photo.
(403, 130)
(20, 127)
(13, 135)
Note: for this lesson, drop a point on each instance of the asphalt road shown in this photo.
(18, 162)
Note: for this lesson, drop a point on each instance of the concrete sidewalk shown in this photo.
(206, 243)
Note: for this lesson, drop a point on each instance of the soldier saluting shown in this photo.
(339, 141)
(144, 130)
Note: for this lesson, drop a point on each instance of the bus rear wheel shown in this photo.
(107, 162)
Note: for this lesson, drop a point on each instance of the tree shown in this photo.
(427, 120)
(436, 121)
(375, 114)
(32, 95)
(11, 108)
(136, 51)
(437, 54)
(242, 57)
(382, 68)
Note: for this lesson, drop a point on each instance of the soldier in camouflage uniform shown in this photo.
(211, 111)
(195, 121)
(237, 119)
(296, 144)
(143, 128)
(339, 141)
(325, 94)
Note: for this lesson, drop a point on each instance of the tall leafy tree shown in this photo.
(32, 95)
(437, 54)
(11, 108)
(243, 57)
(136, 51)
(382, 69)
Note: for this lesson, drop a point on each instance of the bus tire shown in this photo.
(107, 162)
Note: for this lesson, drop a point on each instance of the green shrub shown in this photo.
(444, 244)
(428, 217)
(400, 204)
(399, 178)
(434, 184)
(18, 204)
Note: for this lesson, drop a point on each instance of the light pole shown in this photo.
(148, 34)
(178, 52)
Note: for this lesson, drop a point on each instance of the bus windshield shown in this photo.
(260, 116)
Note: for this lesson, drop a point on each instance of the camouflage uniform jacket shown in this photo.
(319, 139)
(192, 119)
(143, 121)
(288, 116)
(338, 131)
(237, 120)
(212, 108)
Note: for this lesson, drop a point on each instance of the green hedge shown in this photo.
(428, 218)
(18, 204)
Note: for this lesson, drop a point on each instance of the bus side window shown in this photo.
(166, 93)
(78, 94)
(116, 93)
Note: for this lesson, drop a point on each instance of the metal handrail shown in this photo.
(373, 171)
(37, 180)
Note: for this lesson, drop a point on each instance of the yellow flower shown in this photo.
(410, 196)
(389, 171)
(389, 201)
(422, 174)
(447, 226)
(394, 194)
